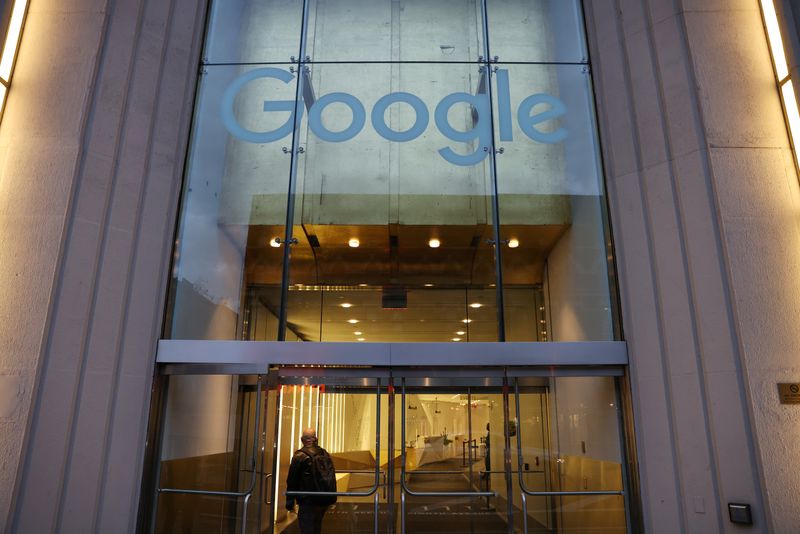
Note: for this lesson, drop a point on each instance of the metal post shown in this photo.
(389, 480)
(469, 434)
(507, 457)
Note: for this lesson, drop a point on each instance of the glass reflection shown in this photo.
(421, 223)
(233, 207)
(536, 31)
(391, 30)
(551, 205)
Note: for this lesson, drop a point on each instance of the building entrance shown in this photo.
(415, 450)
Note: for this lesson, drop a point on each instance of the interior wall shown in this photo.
(577, 283)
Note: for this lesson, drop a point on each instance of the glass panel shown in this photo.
(392, 30)
(568, 433)
(234, 205)
(454, 443)
(371, 206)
(253, 31)
(536, 31)
(214, 441)
(345, 421)
(556, 261)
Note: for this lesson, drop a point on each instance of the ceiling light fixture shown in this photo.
(353, 243)
(466, 321)
(357, 333)
(275, 242)
(476, 305)
(460, 333)
(434, 243)
(362, 339)
(346, 305)
(352, 321)
(513, 243)
(456, 339)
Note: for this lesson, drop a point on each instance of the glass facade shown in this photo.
(392, 171)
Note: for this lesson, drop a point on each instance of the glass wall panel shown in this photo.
(536, 31)
(253, 31)
(393, 223)
(234, 205)
(568, 440)
(393, 214)
(555, 256)
(392, 30)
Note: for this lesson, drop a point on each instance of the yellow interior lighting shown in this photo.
(12, 38)
(792, 114)
(775, 40)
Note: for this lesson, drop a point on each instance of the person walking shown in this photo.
(311, 470)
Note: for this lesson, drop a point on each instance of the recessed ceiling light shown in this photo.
(346, 305)
(362, 285)
(460, 333)
(428, 285)
(475, 305)
(275, 242)
(354, 242)
(434, 243)
(362, 339)
(513, 243)
(352, 321)
(466, 321)
(357, 333)
(456, 339)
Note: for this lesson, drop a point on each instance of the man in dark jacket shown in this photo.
(301, 478)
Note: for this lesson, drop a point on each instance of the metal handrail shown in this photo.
(267, 488)
(522, 486)
(235, 494)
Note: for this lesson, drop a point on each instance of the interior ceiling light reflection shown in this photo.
(353, 243)
(434, 243)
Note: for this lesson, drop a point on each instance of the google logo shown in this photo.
(530, 116)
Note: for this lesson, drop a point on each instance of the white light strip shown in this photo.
(792, 113)
(277, 478)
(300, 413)
(775, 40)
(12, 38)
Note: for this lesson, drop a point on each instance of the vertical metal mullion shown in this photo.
(498, 255)
(626, 486)
(390, 448)
(287, 236)
(507, 456)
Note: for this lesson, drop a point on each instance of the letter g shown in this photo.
(229, 97)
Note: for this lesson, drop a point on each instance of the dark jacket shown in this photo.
(301, 474)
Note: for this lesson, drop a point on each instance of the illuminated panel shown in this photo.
(792, 115)
(12, 38)
(775, 40)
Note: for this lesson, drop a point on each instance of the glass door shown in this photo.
(567, 463)
(484, 450)
(452, 439)
(349, 411)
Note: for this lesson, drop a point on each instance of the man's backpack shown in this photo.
(324, 475)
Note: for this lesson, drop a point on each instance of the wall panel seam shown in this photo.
(99, 498)
(654, 277)
(726, 275)
(687, 270)
(97, 269)
(168, 238)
